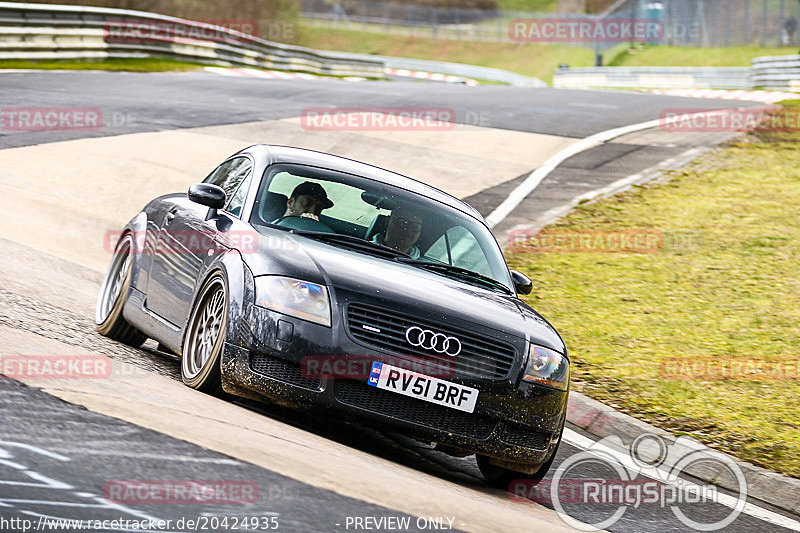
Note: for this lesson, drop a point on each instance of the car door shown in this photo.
(187, 242)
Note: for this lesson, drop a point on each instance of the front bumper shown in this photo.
(519, 422)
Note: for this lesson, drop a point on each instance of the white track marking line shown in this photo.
(36, 449)
(535, 178)
(246, 72)
(176, 458)
(769, 97)
(576, 439)
(222, 71)
(551, 215)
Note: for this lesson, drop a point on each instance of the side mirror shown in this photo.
(209, 195)
(522, 283)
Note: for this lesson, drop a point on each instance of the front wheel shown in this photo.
(205, 337)
(501, 478)
(113, 295)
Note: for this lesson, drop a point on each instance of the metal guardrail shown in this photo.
(654, 77)
(456, 69)
(46, 31)
(781, 73)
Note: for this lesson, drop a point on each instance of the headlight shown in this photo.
(301, 299)
(547, 367)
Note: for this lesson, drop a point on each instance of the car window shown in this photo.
(236, 201)
(381, 213)
(347, 203)
(230, 175)
(459, 247)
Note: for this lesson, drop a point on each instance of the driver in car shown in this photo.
(306, 201)
(402, 232)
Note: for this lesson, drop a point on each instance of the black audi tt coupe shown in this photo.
(323, 283)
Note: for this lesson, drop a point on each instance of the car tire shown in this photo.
(109, 321)
(205, 337)
(501, 478)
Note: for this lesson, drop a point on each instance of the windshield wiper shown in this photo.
(401, 257)
(350, 239)
(459, 272)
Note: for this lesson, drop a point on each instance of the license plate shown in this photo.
(423, 387)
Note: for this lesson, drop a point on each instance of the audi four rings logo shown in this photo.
(429, 340)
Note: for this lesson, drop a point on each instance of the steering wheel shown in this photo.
(302, 223)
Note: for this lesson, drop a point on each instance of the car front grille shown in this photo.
(361, 395)
(282, 370)
(479, 357)
(524, 436)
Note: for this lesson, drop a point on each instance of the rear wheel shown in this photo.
(205, 337)
(113, 295)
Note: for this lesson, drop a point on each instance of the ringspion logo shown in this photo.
(593, 489)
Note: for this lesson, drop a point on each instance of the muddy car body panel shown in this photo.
(374, 300)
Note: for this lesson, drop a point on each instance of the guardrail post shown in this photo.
(781, 29)
(747, 37)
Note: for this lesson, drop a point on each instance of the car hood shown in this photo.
(353, 275)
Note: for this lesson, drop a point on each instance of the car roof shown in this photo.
(302, 156)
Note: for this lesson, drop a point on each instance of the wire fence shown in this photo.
(707, 23)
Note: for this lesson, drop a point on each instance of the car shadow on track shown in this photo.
(386, 445)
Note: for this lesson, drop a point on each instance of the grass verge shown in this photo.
(533, 6)
(130, 65)
(684, 56)
(722, 288)
(539, 61)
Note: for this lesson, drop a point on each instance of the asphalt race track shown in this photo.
(62, 445)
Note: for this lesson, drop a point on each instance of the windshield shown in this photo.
(314, 200)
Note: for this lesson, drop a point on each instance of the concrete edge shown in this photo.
(600, 420)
